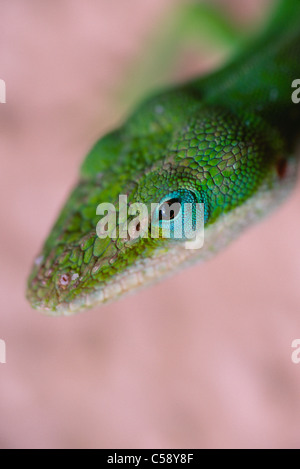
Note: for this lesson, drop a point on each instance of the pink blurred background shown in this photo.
(199, 361)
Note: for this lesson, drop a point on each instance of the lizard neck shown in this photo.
(259, 79)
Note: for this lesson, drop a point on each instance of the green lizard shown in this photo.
(227, 140)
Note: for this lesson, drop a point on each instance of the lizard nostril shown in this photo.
(64, 281)
(282, 168)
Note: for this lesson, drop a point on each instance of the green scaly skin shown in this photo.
(230, 138)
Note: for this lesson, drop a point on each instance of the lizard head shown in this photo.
(171, 151)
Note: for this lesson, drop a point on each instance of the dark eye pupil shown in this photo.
(169, 209)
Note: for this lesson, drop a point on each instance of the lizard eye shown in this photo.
(172, 206)
(177, 214)
(169, 209)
